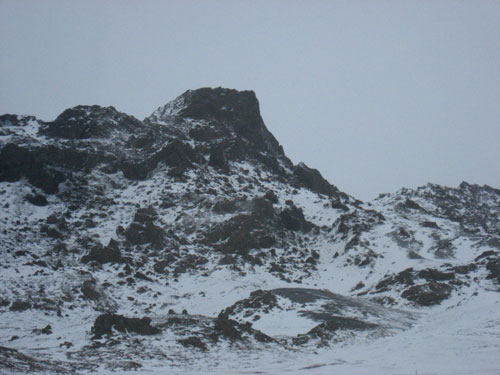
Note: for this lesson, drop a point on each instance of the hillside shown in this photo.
(190, 242)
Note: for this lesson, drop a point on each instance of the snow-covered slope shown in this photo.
(189, 242)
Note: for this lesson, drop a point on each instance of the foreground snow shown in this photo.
(464, 339)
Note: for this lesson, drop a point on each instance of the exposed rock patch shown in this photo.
(103, 255)
(105, 323)
(428, 294)
(143, 230)
(84, 122)
(312, 179)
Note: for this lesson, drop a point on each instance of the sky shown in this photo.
(377, 95)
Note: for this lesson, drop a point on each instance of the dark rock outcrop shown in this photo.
(83, 122)
(20, 305)
(103, 255)
(193, 342)
(493, 267)
(218, 158)
(136, 170)
(227, 328)
(15, 120)
(245, 231)
(428, 294)
(405, 278)
(105, 323)
(412, 204)
(37, 200)
(431, 274)
(259, 301)
(17, 162)
(228, 126)
(89, 290)
(292, 218)
(313, 180)
(238, 108)
(143, 230)
(178, 154)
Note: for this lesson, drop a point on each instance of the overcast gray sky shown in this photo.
(375, 94)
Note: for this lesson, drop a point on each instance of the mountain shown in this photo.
(189, 241)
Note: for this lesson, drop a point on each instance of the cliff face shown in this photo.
(111, 227)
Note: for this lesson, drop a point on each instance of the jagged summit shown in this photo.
(84, 121)
(210, 103)
(215, 127)
(223, 118)
(15, 120)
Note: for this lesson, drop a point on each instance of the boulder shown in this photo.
(292, 218)
(411, 204)
(105, 323)
(193, 342)
(37, 200)
(146, 214)
(89, 291)
(135, 170)
(142, 234)
(143, 231)
(103, 255)
(271, 197)
(20, 305)
(227, 328)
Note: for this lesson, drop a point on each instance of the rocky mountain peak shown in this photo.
(221, 104)
(209, 104)
(220, 116)
(84, 121)
(15, 120)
